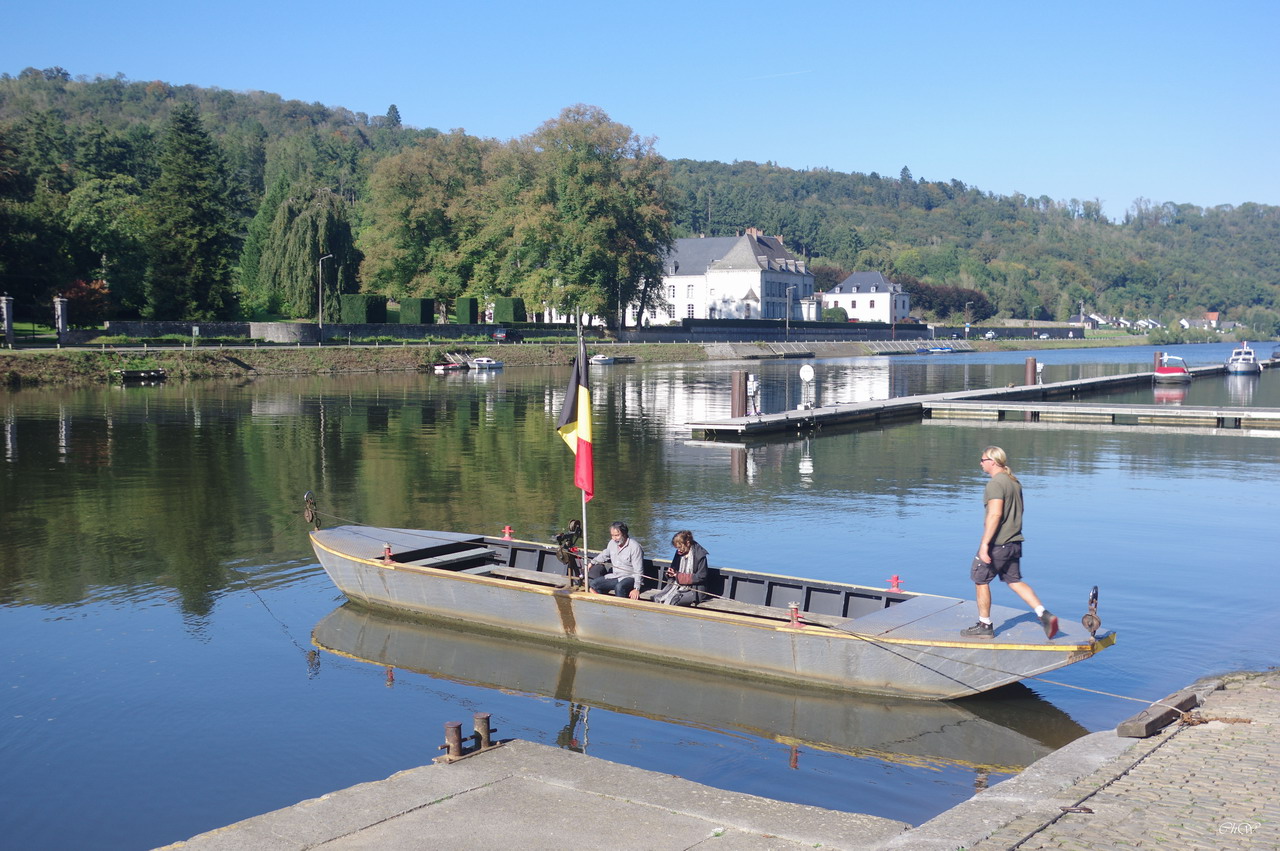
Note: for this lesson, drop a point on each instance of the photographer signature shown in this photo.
(1244, 828)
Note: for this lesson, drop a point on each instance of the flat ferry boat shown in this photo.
(1243, 361)
(812, 633)
(1172, 370)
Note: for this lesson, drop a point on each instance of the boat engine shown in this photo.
(1091, 621)
(567, 546)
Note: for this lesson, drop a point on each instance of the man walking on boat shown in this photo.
(626, 562)
(1000, 550)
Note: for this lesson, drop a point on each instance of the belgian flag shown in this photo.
(575, 424)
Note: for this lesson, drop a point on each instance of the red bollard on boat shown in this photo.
(506, 533)
(895, 583)
(795, 615)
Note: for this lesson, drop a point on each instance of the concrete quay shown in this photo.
(1210, 783)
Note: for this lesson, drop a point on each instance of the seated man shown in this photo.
(626, 565)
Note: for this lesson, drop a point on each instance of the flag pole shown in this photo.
(582, 493)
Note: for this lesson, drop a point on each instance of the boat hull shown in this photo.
(1244, 368)
(973, 733)
(900, 644)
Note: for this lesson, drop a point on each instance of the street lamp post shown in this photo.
(790, 290)
(320, 290)
(967, 320)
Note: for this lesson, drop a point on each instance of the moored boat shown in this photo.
(451, 366)
(601, 360)
(485, 363)
(1243, 361)
(834, 635)
(1172, 370)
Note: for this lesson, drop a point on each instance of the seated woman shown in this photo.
(685, 580)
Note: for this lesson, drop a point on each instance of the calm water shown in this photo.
(158, 597)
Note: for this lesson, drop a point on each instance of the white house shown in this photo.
(752, 276)
(869, 297)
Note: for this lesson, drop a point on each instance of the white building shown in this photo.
(869, 297)
(752, 276)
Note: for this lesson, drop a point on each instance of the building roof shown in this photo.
(752, 250)
(862, 282)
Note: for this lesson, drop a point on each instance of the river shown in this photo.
(158, 597)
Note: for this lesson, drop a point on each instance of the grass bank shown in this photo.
(61, 367)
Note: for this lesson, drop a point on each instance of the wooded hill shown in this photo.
(199, 203)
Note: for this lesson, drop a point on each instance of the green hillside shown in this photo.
(167, 201)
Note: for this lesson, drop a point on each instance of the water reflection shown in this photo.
(1169, 394)
(1000, 734)
(1240, 388)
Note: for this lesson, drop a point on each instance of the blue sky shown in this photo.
(1170, 101)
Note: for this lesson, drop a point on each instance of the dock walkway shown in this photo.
(1032, 401)
(1207, 784)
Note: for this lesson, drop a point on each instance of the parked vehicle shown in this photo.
(506, 335)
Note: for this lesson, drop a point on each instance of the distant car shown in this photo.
(990, 335)
(506, 335)
(1044, 336)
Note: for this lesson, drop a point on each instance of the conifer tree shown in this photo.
(191, 226)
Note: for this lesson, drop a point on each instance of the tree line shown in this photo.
(145, 199)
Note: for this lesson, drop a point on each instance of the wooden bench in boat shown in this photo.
(771, 612)
(537, 577)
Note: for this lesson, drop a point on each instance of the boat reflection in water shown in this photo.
(1240, 387)
(1170, 394)
(1000, 733)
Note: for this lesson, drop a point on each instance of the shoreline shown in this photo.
(44, 367)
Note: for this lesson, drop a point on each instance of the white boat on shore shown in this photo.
(834, 636)
(1243, 361)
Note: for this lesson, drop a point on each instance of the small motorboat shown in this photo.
(1243, 362)
(1172, 370)
(485, 363)
(601, 360)
(451, 366)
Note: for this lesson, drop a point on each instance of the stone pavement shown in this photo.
(1213, 783)
(530, 796)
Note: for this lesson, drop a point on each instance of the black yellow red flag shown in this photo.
(575, 424)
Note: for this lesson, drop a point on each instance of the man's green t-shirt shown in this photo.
(1005, 487)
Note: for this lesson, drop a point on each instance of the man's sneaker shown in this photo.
(979, 630)
(1050, 623)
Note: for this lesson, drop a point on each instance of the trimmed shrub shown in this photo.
(509, 310)
(467, 311)
(417, 311)
(364, 309)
